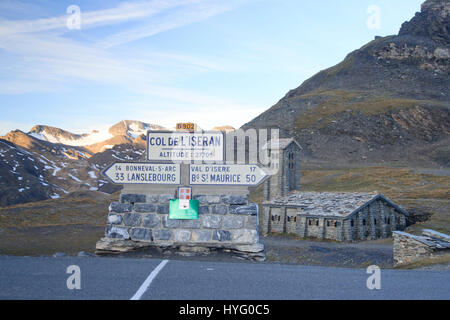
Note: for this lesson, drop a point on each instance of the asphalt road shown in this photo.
(124, 278)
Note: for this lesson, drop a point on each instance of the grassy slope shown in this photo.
(339, 101)
(70, 224)
(77, 208)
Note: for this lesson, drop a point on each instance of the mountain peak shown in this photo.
(432, 22)
(42, 131)
(224, 128)
(132, 128)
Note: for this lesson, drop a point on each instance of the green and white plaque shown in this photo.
(181, 209)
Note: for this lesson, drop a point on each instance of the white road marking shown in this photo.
(148, 281)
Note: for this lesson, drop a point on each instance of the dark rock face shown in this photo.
(387, 101)
(163, 209)
(251, 209)
(234, 199)
(219, 209)
(120, 207)
(141, 234)
(132, 219)
(161, 234)
(221, 235)
(144, 207)
(132, 198)
(432, 22)
(151, 221)
(117, 232)
(21, 176)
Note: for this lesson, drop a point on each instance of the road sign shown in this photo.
(179, 212)
(226, 175)
(186, 126)
(184, 193)
(143, 173)
(185, 146)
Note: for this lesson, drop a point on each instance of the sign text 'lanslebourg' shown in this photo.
(144, 173)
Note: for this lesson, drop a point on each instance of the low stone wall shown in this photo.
(225, 222)
(410, 248)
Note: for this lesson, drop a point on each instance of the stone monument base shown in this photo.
(227, 223)
(251, 252)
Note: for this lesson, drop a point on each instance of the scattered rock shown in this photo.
(85, 254)
(59, 255)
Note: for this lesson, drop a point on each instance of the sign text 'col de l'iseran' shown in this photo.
(185, 146)
(189, 147)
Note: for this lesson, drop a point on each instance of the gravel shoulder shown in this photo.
(286, 249)
(71, 239)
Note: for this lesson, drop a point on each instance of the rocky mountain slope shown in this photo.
(21, 178)
(49, 162)
(389, 101)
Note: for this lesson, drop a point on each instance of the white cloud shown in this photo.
(41, 58)
(46, 63)
(126, 11)
(179, 18)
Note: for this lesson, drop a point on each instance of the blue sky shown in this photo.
(213, 62)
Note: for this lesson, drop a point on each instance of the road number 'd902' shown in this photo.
(185, 126)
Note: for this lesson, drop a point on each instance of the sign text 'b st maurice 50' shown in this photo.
(226, 175)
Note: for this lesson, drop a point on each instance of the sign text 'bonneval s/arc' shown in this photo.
(226, 175)
(185, 146)
(143, 173)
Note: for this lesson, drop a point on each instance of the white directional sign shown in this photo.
(226, 175)
(185, 146)
(143, 173)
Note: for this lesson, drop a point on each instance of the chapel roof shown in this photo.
(280, 144)
(330, 204)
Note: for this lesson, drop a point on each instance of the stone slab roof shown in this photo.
(434, 234)
(280, 144)
(435, 243)
(327, 203)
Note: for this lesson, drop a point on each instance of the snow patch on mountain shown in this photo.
(74, 178)
(72, 139)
